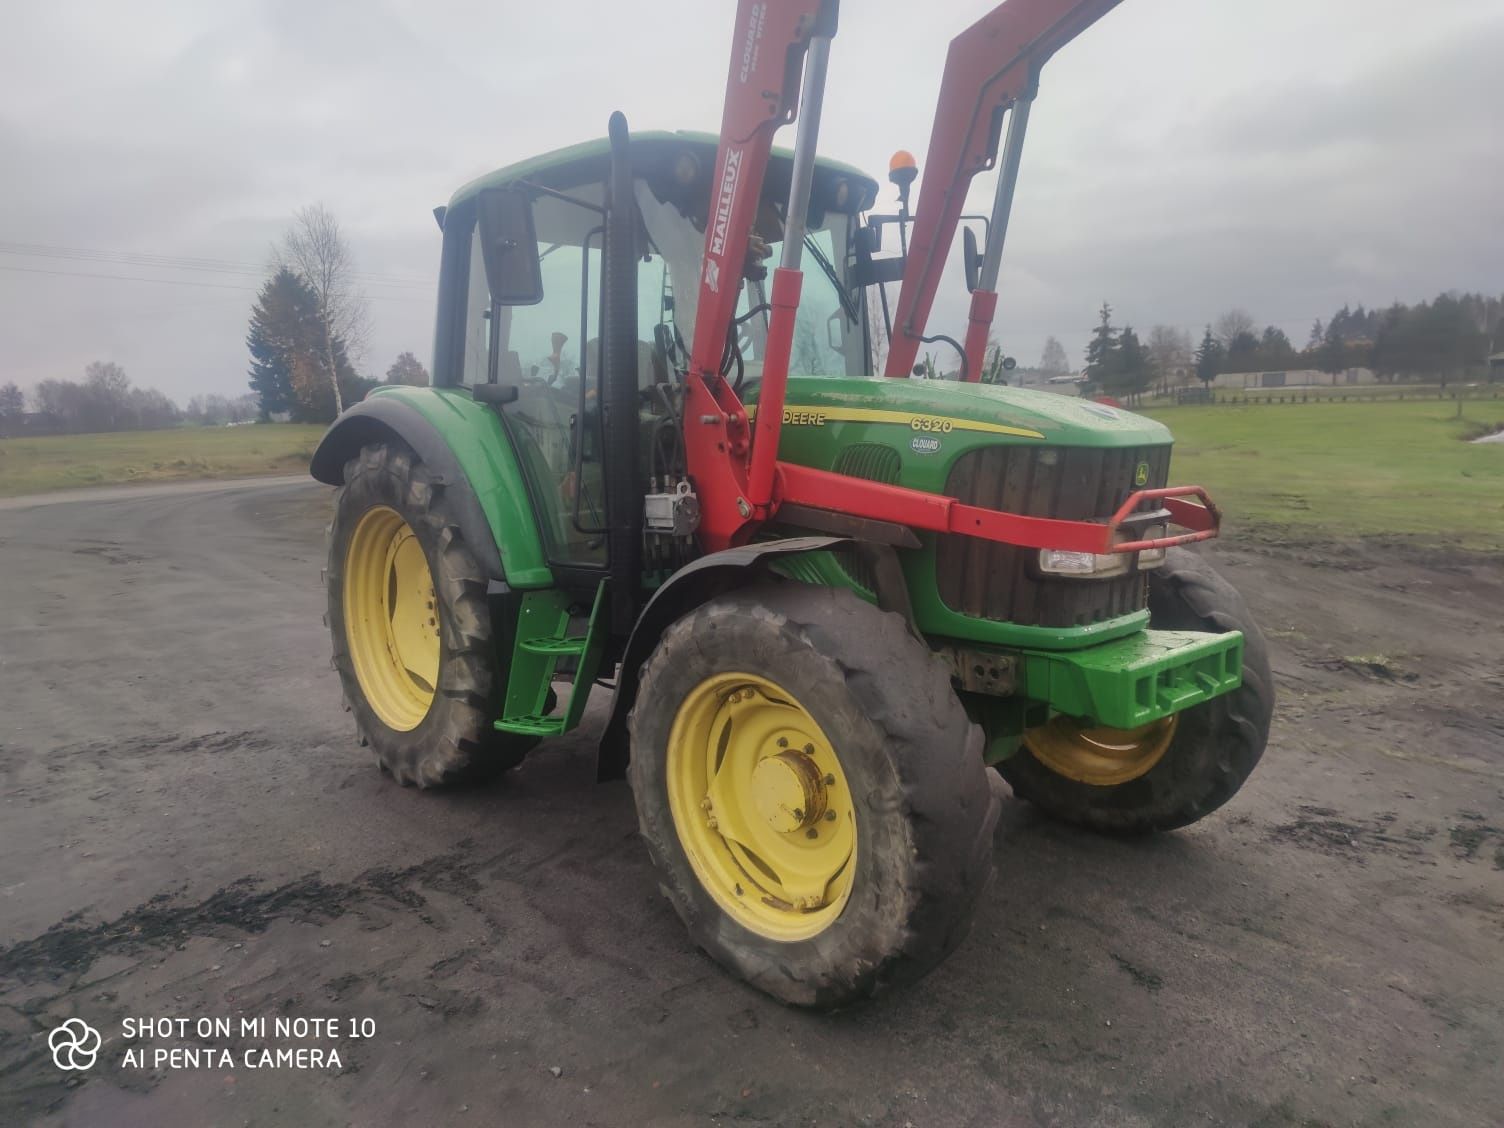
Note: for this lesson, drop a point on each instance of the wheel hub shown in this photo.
(761, 806)
(391, 618)
(788, 790)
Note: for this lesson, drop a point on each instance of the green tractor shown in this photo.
(825, 601)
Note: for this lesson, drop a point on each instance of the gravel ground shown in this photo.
(189, 830)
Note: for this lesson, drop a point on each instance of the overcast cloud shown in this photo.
(1184, 156)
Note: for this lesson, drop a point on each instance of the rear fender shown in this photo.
(467, 449)
(685, 590)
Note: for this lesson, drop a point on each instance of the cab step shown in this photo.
(545, 650)
(560, 646)
(532, 725)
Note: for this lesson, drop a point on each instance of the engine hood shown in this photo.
(944, 406)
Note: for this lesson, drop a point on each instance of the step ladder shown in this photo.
(544, 642)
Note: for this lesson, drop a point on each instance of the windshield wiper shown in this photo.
(848, 303)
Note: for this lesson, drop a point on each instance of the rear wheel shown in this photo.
(811, 791)
(411, 627)
(1176, 770)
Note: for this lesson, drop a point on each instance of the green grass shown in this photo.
(1348, 469)
(1333, 469)
(55, 462)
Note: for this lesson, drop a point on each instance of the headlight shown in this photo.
(1060, 562)
(1094, 566)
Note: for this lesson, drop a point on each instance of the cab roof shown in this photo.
(590, 160)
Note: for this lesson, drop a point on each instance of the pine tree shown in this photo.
(289, 365)
(1102, 350)
(1132, 375)
(279, 328)
(1208, 358)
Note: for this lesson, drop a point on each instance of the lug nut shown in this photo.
(812, 833)
(783, 742)
(830, 816)
(809, 749)
(830, 779)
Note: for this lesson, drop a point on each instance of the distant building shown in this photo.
(1496, 367)
(1293, 378)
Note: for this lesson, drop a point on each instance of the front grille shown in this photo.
(876, 463)
(996, 581)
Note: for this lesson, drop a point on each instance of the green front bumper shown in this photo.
(1134, 680)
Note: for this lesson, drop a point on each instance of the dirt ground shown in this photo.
(189, 830)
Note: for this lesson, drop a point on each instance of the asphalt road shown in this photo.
(190, 831)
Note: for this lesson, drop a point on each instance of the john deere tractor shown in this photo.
(825, 601)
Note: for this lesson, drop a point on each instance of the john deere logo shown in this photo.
(1141, 474)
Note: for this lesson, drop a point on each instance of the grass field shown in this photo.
(1345, 469)
(1349, 469)
(54, 462)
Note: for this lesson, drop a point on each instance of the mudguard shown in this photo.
(686, 589)
(464, 445)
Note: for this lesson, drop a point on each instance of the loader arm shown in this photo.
(740, 481)
(762, 93)
(990, 66)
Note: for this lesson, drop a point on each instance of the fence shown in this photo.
(1370, 394)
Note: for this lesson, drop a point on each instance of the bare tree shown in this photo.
(110, 391)
(315, 249)
(1227, 327)
(1054, 362)
(1169, 352)
(407, 369)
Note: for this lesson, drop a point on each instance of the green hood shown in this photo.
(926, 406)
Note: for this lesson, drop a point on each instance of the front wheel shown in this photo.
(811, 792)
(1175, 770)
(411, 629)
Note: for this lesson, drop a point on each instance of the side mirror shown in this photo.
(510, 247)
(971, 257)
(1009, 364)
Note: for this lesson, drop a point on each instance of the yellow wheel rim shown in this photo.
(762, 806)
(391, 618)
(1103, 757)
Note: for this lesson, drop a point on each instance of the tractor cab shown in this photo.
(548, 348)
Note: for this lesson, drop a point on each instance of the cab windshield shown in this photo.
(828, 338)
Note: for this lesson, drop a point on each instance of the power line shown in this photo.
(180, 282)
(178, 262)
(129, 278)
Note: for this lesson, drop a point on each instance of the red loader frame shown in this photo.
(992, 66)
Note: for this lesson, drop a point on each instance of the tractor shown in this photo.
(825, 600)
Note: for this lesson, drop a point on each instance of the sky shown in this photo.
(1183, 157)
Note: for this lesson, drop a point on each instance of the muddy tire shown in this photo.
(435, 727)
(1215, 745)
(906, 770)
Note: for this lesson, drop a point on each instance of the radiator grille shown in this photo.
(876, 463)
(996, 581)
(872, 461)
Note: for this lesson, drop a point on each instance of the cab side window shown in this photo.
(550, 352)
